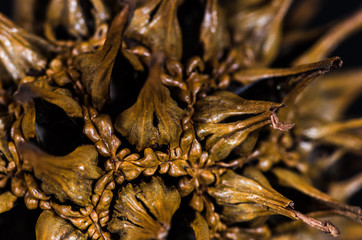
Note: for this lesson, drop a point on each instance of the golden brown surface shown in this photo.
(186, 119)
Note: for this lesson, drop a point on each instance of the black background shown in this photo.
(19, 223)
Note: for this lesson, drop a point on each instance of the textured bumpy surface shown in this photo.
(179, 119)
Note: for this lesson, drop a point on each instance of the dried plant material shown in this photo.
(303, 13)
(145, 211)
(28, 121)
(250, 197)
(346, 87)
(224, 137)
(155, 24)
(191, 121)
(324, 46)
(288, 227)
(101, 12)
(299, 37)
(68, 177)
(250, 75)
(213, 31)
(234, 233)
(67, 14)
(33, 190)
(336, 129)
(7, 200)
(324, 226)
(5, 125)
(99, 128)
(222, 105)
(134, 165)
(24, 14)
(133, 59)
(200, 227)
(290, 179)
(260, 38)
(97, 67)
(57, 96)
(350, 141)
(51, 226)
(298, 84)
(155, 118)
(277, 124)
(344, 190)
(295, 230)
(20, 52)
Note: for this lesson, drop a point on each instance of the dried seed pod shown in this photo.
(97, 67)
(213, 34)
(68, 14)
(51, 226)
(224, 137)
(192, 111)
(260, 38)
(67, 177)
(20, 51)
(155, 117)
(256, 199)
(57, 96)
(131, 218)
(157, 18)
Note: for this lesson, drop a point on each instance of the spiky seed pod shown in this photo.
(167, 119)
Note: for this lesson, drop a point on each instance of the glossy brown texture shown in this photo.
(149, 119)
(131, 219)
(7, 200)
(68, 177)
(51, 226)
(154, 101)
(97, 67)
(155, 24)
(20, 51)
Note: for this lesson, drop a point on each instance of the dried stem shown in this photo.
(325, 226)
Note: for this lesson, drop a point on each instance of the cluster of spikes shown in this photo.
(139, 119)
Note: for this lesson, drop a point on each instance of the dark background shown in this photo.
(19, 223)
